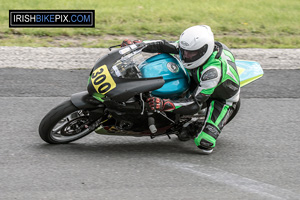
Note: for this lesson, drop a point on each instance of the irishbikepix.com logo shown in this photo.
(51, 18)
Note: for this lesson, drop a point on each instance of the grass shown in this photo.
(239, 23)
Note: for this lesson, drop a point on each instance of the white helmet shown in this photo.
(196, 44)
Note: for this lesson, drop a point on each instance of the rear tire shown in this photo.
(64, 123)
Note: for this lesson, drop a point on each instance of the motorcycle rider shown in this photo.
(215, 82)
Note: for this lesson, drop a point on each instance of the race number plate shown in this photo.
(102, 80)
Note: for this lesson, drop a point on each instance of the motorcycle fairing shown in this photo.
(127, 88)
(248, 71)
(118, 89)
(108, 61)
(102, 80)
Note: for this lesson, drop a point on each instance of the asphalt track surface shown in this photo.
(256, 157)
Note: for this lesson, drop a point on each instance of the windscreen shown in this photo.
(128, 67)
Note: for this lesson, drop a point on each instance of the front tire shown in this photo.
(64, 123)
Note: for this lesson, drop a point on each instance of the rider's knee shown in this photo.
(206, 139)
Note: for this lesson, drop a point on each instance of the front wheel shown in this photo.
(64, 123)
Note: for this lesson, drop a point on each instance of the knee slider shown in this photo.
(205, 141)
(207, 138)
(206, 144)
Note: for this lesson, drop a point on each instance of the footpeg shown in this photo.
(151, 124)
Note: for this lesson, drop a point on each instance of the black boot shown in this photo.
(184, 135)
(189, 130)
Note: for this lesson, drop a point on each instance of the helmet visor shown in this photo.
(191, 56)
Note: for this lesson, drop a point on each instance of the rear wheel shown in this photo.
(64, 123)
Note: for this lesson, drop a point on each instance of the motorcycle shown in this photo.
(114, 103)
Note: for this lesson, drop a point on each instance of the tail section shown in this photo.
(248, 71)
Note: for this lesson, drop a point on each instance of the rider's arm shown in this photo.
(209, 79)
(161, 46)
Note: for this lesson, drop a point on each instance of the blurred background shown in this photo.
(239, 23)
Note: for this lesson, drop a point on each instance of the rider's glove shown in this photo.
(137, 41)
(126, 42)
(159, 104)
(129, 42)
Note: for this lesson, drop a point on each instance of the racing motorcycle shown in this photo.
(114, 103)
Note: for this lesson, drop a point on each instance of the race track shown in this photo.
(256, 157)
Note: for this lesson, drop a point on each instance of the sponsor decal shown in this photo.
(172, 67)
(184, 43)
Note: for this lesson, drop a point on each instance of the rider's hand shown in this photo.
(159, 104)
(127, 42)
(137, 41)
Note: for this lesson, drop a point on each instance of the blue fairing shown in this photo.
(174, 74)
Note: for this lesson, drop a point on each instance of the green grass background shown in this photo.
(238, 23)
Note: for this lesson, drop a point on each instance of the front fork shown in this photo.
(83, 100)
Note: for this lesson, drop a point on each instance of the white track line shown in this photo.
(234, 180)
